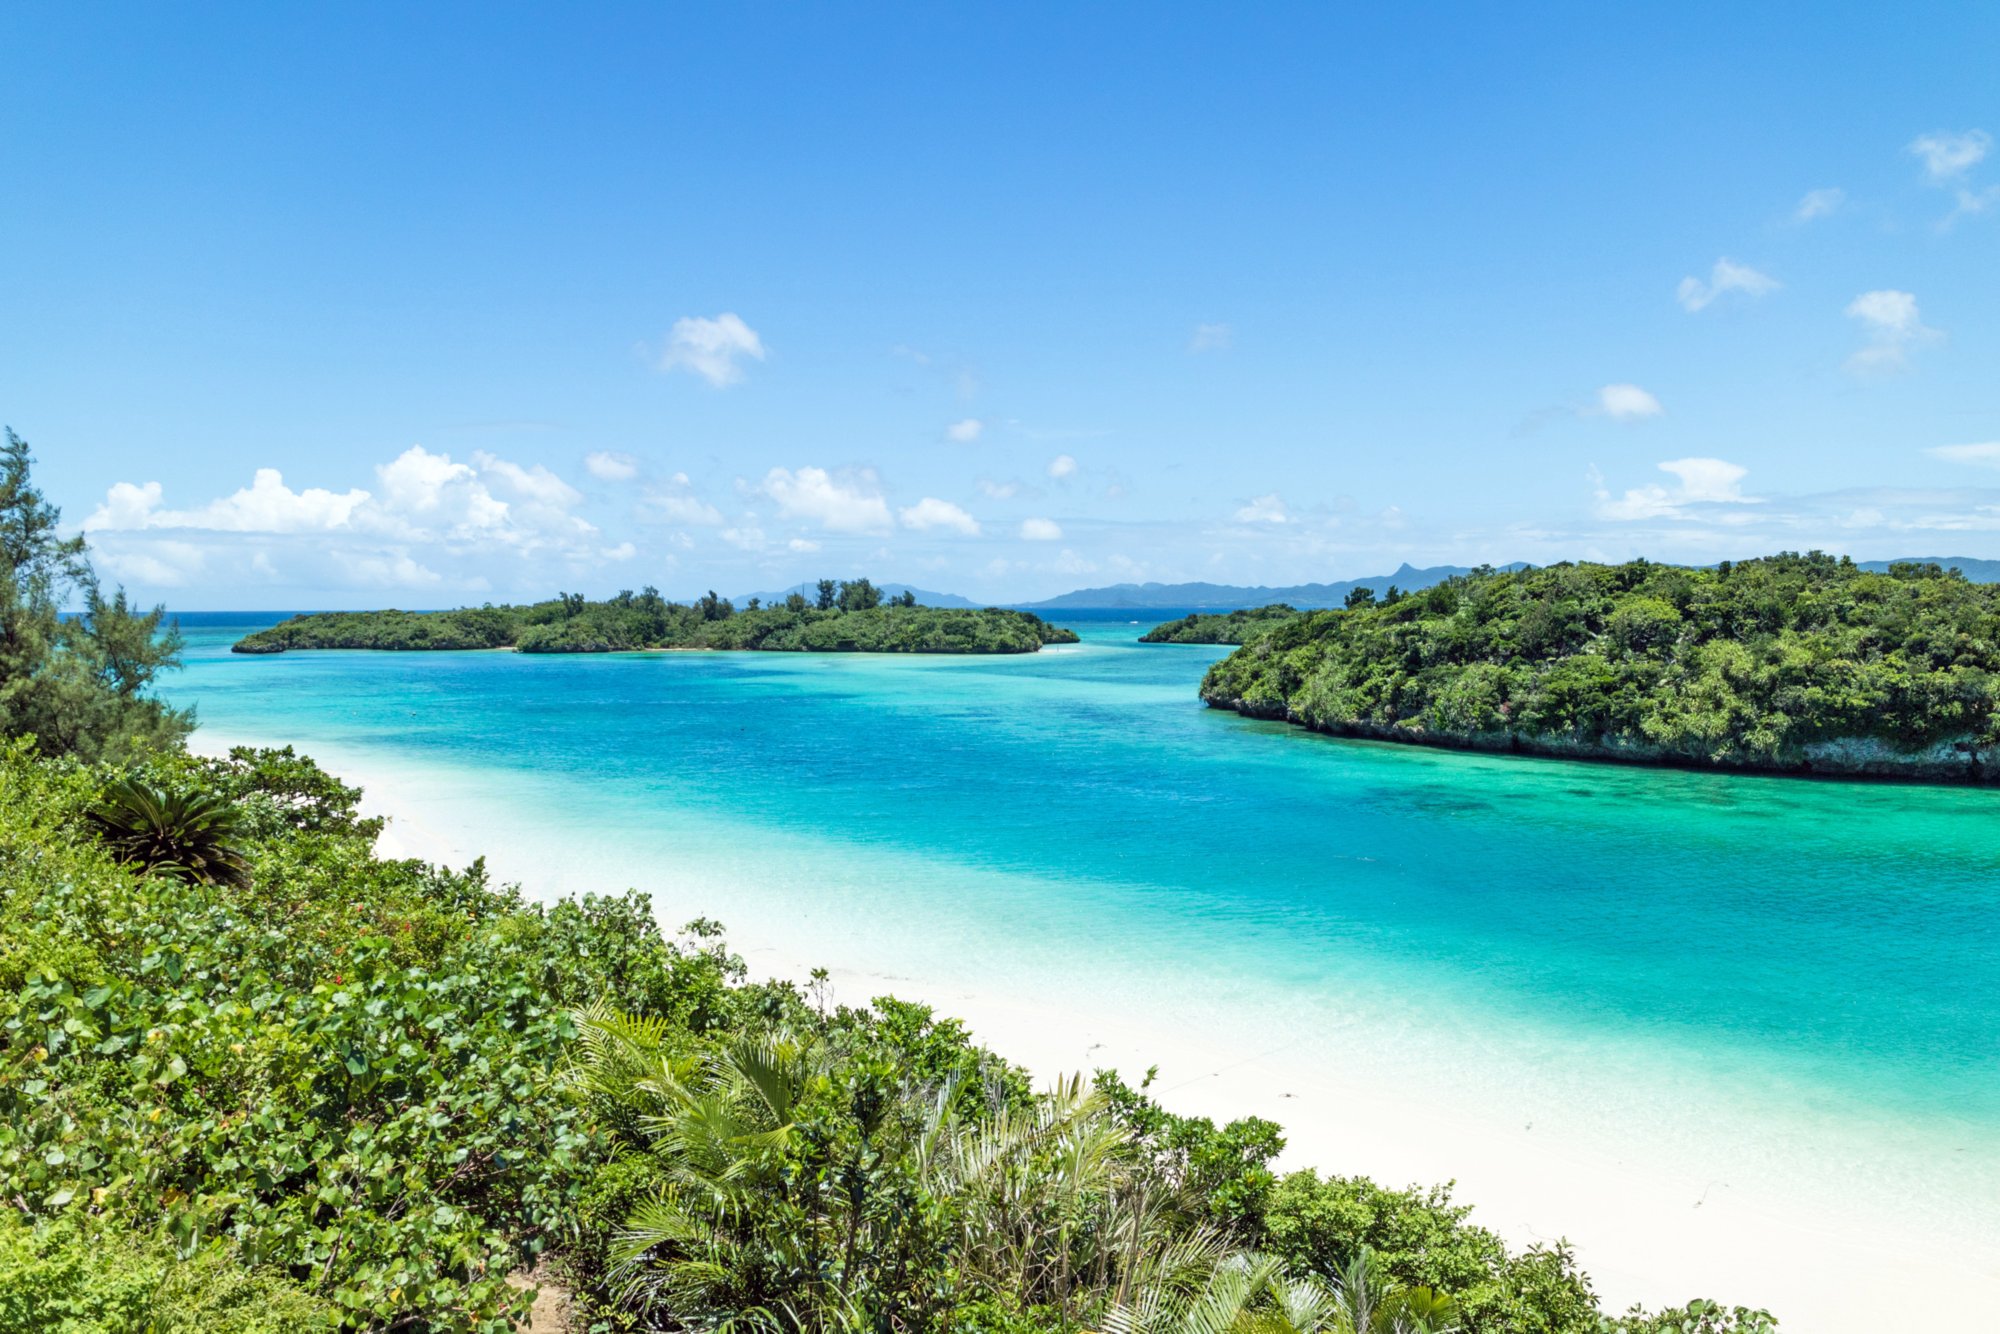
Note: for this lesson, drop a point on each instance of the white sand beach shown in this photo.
(1655, 1231)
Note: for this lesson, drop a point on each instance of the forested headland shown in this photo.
(1790, 663)
(848, 616)
(1219, 627)
(257, 1079)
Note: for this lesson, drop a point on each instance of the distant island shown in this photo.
(1227, 597)
(1220, 627)
(849, 616)
(1804, 664)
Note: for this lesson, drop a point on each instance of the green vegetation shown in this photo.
(848, 617)
(357, 1093)
(1220, 627)
(1791, 662)
(76, 683)
(255, 1078)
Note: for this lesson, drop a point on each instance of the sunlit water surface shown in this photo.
(1809, 970)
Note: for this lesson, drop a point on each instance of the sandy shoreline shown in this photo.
(1656, 1232)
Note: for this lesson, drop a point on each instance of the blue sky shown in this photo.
(419, 305)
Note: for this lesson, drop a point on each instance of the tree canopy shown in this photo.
(1789, 662)
(76, 663)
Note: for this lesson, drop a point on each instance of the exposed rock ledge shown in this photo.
(1951, 761)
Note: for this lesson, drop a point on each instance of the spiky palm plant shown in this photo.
(1252, 1294)
(182, 832)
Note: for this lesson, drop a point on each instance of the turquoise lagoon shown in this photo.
(1807, 972)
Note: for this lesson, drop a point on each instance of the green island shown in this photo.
(256, 1078)
(1791, 663)
(1220, 627)
(848, 616)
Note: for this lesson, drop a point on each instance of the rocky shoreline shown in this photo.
(1951, 761)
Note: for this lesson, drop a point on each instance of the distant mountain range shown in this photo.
(1306, 597)
(1227, 597)
(1978, 571)
(810, 588)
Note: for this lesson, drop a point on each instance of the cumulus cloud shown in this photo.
(964, 432)
(1211, 338)
(930, 512)
(267, 505)
(1041, 530)
(1727, 276)
(715, 349)
(1264, 509)
(1062, 465)
(1819, 203)
(1893, 325)
(851, 504)
(1700, 482)
(801, 544)
(1947, 155)
(452, 511)
(1627, 402)
(608, 465)
(536, 483)
(1985, 455)
(994, 490)
(623, 551)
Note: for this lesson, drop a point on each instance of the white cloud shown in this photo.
(713, 349)
(1627, 402)
(1947, 155)
(964, 432)
(357, 537)
(608, 465)
(1727, 276)
(395, 569)
(1701, 482)
(1062, 465)
(1041, 530)
(1211, 338)
(1264, 509)
(745, 538)
(679, 507)
(267, 505)
(930, 512)
(801, 544)
(993, 490)
(841, 505)
(1986, 455)
(535, 484)
(1893, 325)
(1818, 204)
(623, 551)
(1970, 204)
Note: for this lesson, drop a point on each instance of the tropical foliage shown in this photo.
(1799, 662)
(76, 683)
(849, 617)
(362, 1092)
(1219, 627)
(177, 831)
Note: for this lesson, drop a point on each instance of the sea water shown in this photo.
(1805, 972)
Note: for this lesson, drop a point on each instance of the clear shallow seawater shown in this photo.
(1807, 973)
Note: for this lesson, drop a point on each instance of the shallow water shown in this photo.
(1802, 977)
